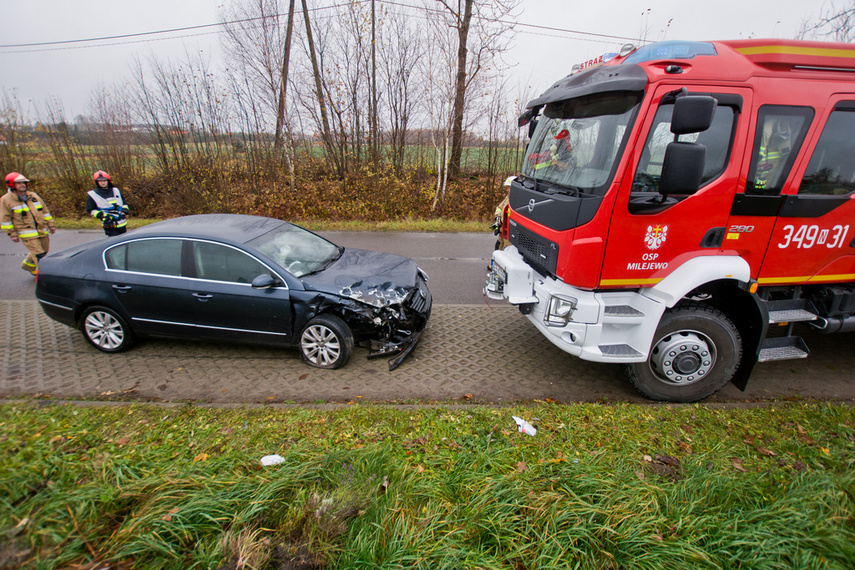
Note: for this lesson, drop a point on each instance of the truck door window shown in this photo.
(717, 139)
(780, 133)
(831, 170)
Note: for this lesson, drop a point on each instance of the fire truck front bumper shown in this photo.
(595, 326)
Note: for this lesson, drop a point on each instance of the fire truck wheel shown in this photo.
(695, 352)
(326, 342)
(105, 330)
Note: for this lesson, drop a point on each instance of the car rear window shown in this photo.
(156, 256)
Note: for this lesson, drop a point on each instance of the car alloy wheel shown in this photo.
(326, 342)
(105, 330)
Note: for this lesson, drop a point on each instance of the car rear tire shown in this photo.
(105, 330)
(696, 351)
(326, 342)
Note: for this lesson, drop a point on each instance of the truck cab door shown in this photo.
(812, 240)
(650, 235)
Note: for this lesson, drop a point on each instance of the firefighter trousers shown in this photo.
(37, 248)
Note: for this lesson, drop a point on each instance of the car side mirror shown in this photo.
(263, 281)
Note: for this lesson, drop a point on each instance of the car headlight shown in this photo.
(559, 310)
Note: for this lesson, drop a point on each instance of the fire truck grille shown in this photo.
(538, 252)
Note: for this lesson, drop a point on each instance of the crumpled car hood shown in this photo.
(371, 277)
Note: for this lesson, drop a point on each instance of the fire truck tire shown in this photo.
(696, 351)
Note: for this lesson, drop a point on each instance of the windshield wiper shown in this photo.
(552, 188)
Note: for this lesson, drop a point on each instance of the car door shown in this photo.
(146, 279)
(225, 305)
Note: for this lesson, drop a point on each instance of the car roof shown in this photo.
(226, 227)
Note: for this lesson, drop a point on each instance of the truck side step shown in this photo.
(622, 311)
(618, 350)
(622, 315)
(791, 311)
(783, 348)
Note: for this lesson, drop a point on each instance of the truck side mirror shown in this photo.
(525, 118)
(682, 168)
(531, 126)
(692, 114)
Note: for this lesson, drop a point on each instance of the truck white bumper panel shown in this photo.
(600, 327)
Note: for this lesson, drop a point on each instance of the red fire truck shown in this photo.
(682, 205)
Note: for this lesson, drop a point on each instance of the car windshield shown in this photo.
(299, 251)
(577, 142)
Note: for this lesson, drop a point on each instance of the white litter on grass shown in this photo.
(269, 460)
(524, 426)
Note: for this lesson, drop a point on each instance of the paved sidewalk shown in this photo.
(469, 352)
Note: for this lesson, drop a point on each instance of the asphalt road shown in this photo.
(455, 263)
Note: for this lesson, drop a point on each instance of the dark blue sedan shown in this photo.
(233, 278)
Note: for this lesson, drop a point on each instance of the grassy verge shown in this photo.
(599, 486)
(409, 225)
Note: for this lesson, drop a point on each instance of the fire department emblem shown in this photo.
(655, 236)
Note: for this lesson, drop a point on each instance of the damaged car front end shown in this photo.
(383, 298)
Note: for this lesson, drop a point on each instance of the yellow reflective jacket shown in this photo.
(25, 219)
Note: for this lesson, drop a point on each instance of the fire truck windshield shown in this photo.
(577, 143)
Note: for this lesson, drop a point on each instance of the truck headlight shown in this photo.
(559, 310)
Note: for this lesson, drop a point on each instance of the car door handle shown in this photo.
(122, 288)
(202, 296)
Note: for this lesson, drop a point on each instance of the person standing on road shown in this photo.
(106, 204)
(25, 217)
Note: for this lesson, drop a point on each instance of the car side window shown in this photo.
(717, 140)
(156, 256)
(831, 170)
(781, 130)
(221, 263)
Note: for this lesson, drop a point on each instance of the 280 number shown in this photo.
(805, 237)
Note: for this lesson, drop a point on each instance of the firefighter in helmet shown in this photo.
(105, 203)
(774, 149)
(26, 218)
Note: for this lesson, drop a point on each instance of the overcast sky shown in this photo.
(539, 57)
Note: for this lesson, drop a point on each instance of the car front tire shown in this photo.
(326, 342)
(106, 330)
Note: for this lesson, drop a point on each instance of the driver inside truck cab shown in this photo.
(775, 147)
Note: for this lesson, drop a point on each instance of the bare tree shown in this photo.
(836, 22)
(111, 129)
(486, 16)
(320, 92)
(255, 46)
(400, 60)
(15, 135)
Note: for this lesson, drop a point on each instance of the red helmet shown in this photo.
(101, 175)
(13, 177)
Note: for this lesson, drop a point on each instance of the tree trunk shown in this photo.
(280, 113)
(326, 135)
(460, 90)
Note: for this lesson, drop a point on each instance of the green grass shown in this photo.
(408, 225)
(599, 486)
